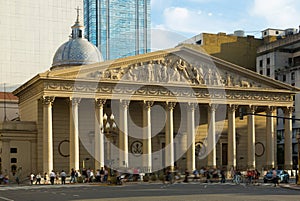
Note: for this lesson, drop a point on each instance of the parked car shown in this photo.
(282, 176)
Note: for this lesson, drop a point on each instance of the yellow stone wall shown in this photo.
(237, 50)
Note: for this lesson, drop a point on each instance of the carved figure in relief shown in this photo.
(150, 72)
(156, 71)
(176, 76)
(116, 74)
(163, 73)
(228, 80)
(217, 78)
(181, 65)
(209, 77)
(130, 75)
(245, 83)
(197, 75)
(141, 72)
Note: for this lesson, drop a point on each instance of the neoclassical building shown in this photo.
(173, 108)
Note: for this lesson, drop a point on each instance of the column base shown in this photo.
(269, 167)
(288, 167)
(251, 167)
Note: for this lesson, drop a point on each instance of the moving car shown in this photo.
(282, 176)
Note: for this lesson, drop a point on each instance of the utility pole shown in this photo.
(5, 117)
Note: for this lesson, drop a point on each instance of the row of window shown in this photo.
(261, 62)
(12, 160)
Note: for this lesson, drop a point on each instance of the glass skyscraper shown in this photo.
(119, 28)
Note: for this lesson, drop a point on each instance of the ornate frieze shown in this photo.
(107, 89)
(173, 69)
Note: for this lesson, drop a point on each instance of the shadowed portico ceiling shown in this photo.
(179, 74)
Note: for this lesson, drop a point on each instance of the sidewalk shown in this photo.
(290, 186)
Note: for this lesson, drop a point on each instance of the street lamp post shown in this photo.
(109, 124)
(298, 145)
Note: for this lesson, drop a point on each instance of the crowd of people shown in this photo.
(84, 176)
(209, 175)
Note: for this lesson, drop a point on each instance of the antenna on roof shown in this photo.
(5, 117)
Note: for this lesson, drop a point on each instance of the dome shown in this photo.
(77, 51)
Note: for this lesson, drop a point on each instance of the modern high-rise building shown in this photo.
(30, 34)
(119, 28)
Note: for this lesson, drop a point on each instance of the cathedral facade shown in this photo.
(173, 108)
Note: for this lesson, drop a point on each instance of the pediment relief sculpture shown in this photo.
(174, 69)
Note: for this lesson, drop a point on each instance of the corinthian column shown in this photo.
(74, 133)
(211, 139)
(147, 143)
(270, 144)
(288, 136)
(47, 134)
(191, 165)
(169, 135)
(231, 137)
(123, 134)
(99, 135)
(251, 137)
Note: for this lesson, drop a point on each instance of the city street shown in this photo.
(146, 192)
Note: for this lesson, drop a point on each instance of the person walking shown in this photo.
(38, 178)
(52, 177)
(45, 178)
(63, 176)
(72, 176)
(274, 177)
(31, 178)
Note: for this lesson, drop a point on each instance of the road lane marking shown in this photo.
(3, 198)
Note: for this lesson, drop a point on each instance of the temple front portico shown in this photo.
(159, 119)
(178, 109)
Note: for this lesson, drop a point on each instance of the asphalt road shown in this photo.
(146, 192)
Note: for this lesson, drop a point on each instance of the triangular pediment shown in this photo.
(181, 65)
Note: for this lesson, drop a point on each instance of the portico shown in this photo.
(164, 103)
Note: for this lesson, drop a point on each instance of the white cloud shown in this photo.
(163, 39)
(185, 20)
(277, 13)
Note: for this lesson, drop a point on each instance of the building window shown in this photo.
(284, 78)
(268, 61)
(13, 160)
(277, 32)
(261, 72)
(199, 42)
(290, 61)
(265, 33)
(268, 72)
(293, 76)
(13, 150)
(260, 63)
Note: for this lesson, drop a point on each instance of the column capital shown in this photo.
(148, 104)
(74, 100)
(100, 102)
(170, 105)
(48, 100)
(124, 103)
(212, 107)
(288, 110)
(251, 109)
(191, 106)
(232, 108)
(270, 109)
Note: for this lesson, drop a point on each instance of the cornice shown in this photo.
(137, 91)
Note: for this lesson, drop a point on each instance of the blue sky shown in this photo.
(187, 18)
